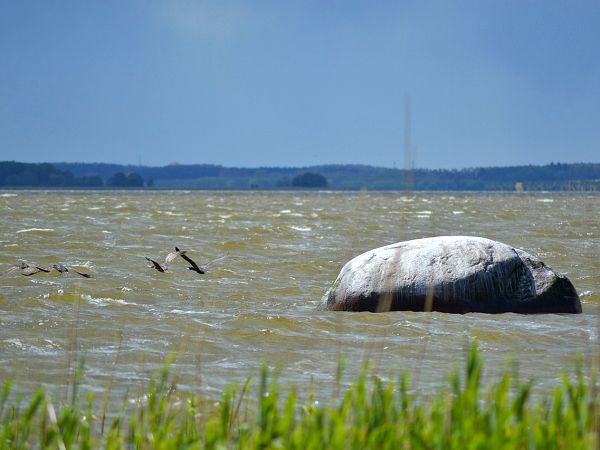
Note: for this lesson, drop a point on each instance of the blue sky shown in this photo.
(271, 83)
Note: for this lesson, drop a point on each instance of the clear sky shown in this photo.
(296, 83)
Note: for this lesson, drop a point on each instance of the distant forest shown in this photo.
(553, 177)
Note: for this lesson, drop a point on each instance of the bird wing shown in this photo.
(191, 261)
(210, 263)
(28, 271)
(10, 271)
(85, 275)
(171, 256)
(156, 265)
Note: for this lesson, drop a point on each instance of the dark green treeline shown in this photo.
(553, 177)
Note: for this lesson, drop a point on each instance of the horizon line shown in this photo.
(176, 164)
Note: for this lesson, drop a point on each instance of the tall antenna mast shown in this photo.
(409, 161)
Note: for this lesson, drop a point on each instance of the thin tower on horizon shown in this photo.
(409, 161)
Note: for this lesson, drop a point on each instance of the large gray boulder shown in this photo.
(455, 274)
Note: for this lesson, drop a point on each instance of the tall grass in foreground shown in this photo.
(369, 414)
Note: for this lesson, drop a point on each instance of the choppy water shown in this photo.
(284, 250)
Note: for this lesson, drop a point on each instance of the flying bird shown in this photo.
(64, 271)
(164, 267)
(26, 269)
(157, 265)
(194, 267)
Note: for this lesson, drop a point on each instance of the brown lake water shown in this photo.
(284, 249)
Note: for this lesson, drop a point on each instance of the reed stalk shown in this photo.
(370, 413)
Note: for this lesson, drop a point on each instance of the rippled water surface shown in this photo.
(283, 251)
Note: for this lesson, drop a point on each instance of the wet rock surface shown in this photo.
(454, 274)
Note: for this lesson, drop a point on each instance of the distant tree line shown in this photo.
(17, 174)
(555, 177)
(119, 179)
(583, 176)
(306, 180)
(309, 180)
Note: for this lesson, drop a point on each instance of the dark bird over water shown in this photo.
(156, 265)
(194, 267)
(64, 271)
(26, 269)
(164, 267)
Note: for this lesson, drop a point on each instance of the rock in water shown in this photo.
(455, 274)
